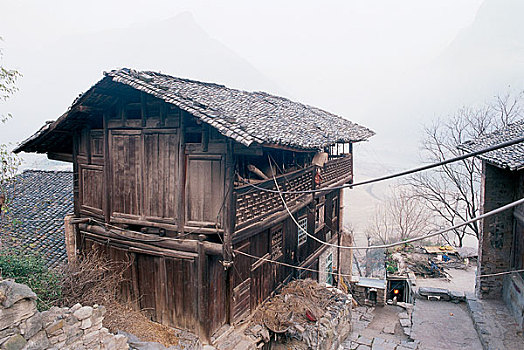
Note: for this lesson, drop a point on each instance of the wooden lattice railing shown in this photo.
(336, 170)
(253, 204)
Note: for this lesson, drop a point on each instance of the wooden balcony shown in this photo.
(253, 205)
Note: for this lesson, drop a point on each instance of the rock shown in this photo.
(55, 328)
(31, 326)
(75, 307)
(407, 331)
(38, 342)
(13, 292)
(15, 342)
(16, 313)
(403, 315)
(405, 322)
(86, 323)
(434, 292)
(83, 313)
(364, 340)
(458, 296)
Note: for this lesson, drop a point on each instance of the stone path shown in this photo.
(378, 328)
(495, 325)
(443, 325)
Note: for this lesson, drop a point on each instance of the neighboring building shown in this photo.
(34, 220)
(501, 244)
(162, 167)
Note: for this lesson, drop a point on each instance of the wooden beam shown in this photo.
(63, 157)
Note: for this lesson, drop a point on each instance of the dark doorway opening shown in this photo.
(398, 289)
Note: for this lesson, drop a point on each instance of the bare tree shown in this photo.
(452, 191)
(401, 216)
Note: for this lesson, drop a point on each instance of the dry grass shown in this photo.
(93, 279)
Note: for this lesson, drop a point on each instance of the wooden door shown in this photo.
(126, 172)
(160, 173)
(204, 190)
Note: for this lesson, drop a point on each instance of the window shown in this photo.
(276, 242)
(319, 216)
(329, 269)
(334, 207)
(328, 235)
(302, 229)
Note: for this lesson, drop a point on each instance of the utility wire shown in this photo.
(382, 246)
(402, 173)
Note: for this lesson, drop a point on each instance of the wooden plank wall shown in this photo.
(164, 287)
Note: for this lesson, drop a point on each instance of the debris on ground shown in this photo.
(303, 315)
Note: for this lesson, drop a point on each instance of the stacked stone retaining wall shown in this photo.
(22, 326)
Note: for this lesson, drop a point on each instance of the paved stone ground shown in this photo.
(495, 325)
(378, 329)
(443, 325)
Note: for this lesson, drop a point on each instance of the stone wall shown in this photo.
(361, 293)
(22, 326)
(514, 297)
(499, 187)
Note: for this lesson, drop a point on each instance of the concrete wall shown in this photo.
(23, 327)
(514, 297)
(499, 187)
(322, 264)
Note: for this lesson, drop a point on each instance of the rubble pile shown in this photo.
(305, 314)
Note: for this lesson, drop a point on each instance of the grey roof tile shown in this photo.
(35, 220)
(247, 117)
(511, 157)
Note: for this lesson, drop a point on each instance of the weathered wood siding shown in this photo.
(204, 189)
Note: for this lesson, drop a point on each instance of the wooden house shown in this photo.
(501, 242)
(164, 170)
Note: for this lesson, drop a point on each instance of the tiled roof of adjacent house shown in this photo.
(246, 117)
(511, 157)
(35, 217)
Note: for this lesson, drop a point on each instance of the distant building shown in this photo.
(501, 244)
(164, 171)
(35, 217)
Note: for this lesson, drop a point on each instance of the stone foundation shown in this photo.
(514, 297)
(22, 326)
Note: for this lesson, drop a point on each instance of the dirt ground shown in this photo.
(460, 280)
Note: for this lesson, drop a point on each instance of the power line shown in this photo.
(261, 258)
(439, 232)
(394, 175)
(500, 273)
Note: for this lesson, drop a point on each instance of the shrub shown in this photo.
(30, 269)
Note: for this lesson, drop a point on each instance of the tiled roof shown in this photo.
(35, 220)
(511, 157)
(246, 116)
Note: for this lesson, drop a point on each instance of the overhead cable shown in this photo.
(382, 246)
(395, 175)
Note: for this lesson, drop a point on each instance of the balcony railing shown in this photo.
(253, 204)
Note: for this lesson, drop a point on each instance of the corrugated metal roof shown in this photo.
(511, 157)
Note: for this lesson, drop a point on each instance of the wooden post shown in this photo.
(202, 291)
(229, 226)
(107, 171)
(70, 238)
(180, 181)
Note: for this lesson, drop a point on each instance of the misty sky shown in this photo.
(392, 66)
(381, 63)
